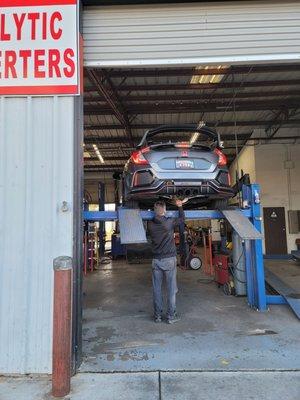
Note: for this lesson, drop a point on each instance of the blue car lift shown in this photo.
(246, 222)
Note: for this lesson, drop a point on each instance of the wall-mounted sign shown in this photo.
(38, 47)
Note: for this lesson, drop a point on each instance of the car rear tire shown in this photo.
(219, 204)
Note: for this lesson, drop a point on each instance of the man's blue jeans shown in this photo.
(164, 268)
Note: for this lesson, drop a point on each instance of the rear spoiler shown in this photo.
(209, 132)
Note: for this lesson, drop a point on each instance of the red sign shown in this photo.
(38, 47)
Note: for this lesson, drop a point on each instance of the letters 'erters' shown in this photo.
(38, 47)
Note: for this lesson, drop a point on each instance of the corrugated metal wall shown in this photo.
(217, 32)
(36, 176)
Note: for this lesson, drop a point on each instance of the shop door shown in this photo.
(275, 230)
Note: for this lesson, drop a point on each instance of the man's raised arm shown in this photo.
(181, 217)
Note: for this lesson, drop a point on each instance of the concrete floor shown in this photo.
(161, 386)
(216, 332)
(219, 349)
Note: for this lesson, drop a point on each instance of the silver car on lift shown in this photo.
(181, 161)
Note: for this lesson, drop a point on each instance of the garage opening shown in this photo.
(254, 109)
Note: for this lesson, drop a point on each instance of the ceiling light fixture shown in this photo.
(205, 79)
(98, 154)
(194, 137)
(196, 134)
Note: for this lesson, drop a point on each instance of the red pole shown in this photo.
(205, 254)
(210, 253)
(61, 357)
(85, 253)
(92, 253)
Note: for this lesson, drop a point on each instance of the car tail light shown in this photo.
(222, 158)
(138, 158)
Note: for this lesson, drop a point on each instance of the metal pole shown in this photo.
(239, 269)
(61, 356)
(85, 252)
(257, 250)
(101, 201)
(249, 273)
(92, 251)
(205, 251)
(211, 272)
(182, 245)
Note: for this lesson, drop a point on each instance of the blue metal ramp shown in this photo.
(241, 224)
(292, 298)
(132, 228)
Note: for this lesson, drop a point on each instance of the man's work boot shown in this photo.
(173, 319)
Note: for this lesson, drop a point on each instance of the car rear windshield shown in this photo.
(175, 137)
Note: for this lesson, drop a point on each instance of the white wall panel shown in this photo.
(36, 176)
(246, 162)
(202, 33)
(280, 187)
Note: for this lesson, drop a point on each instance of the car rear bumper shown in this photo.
(146, 186)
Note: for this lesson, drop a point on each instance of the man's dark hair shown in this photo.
(160, 208)
(160, 203)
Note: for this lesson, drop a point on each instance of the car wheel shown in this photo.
(227, 289)
(219, 204)
(195, 263)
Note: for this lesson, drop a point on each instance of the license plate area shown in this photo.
(185, 164)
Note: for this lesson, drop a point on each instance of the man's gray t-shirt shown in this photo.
(161, 230)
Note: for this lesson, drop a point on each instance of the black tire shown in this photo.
(219, 204)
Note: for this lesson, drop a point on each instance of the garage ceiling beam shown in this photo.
(109, 92)
(113, 148)
(239, 69)
(104, 166)
(109, 158)
(97, 139)
(200, 96)
(206, 86)
(89, 128)
(97, 169)
(282, 117)
(167, 108)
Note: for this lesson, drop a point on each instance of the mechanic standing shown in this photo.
(164, 264)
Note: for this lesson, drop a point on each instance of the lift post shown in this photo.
(256, 289)
(249, 232)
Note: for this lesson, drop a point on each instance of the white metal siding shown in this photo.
(202, 33)
(36, 175)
